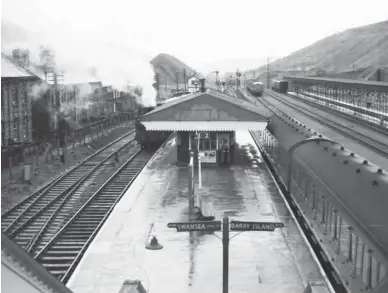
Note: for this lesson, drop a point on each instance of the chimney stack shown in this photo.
(22, 57)
(379, 75)
(203, 89)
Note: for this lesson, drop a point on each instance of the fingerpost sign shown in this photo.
(233, 226)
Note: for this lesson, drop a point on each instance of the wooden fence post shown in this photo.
(10, 167)
(37, 154)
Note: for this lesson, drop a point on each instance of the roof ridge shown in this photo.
(238, 102)
(247, 106)
(19, 65)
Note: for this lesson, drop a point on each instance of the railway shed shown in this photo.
(346, 194)
(367, 97)
(207, 119)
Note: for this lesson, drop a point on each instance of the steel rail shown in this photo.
(93, 218)
(62, 199)
(317, 103)
(22, 207)
(373, 144)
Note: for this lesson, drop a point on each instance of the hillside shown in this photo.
(167, 67)
(354, 53)
(226, 66)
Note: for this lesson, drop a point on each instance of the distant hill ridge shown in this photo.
(355, 53)
(167, 67)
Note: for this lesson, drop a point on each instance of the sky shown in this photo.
(196, 32)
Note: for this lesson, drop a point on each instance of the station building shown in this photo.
(206, 123)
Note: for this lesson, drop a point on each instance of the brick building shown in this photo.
(117, 101)
(16, 96)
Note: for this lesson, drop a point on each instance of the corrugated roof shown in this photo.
(230, 99)
(10, 69)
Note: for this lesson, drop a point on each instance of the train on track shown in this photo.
(255, 87)
(149, 140)
(280, 86)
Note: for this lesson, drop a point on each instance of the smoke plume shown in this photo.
(87, 58)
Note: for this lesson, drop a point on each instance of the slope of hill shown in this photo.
(354, 53)
(226, 66)
(167, 67)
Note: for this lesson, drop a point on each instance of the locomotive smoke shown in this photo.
(91, 58)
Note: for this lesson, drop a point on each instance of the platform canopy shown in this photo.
(207, 111)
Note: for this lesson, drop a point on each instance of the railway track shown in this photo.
(316, 103)
(371, 143)
(30, 218)
(62, 253)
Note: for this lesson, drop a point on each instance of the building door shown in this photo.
(207, 146)
(224, 148)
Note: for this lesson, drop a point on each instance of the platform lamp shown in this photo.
(152, 245)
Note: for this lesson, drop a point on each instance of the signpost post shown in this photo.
(240, 226)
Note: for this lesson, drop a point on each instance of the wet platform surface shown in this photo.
(275, 262)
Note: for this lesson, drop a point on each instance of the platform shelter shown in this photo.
(207, 122)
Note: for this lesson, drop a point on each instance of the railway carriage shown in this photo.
(280, 86)
(255, 87)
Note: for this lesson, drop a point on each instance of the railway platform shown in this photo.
(347, 142)
(279, 261)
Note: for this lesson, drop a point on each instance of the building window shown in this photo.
(15, 129)
(2, 133)
(207, 141)
(25, 126)
(3, 97)
(14, 97)
(24, 96)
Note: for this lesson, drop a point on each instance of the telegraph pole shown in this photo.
(157, 77)
(177, 83)
(60, 129)
(165, 86)
(184, 78)
(268, 73)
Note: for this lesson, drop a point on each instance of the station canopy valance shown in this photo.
(207, 111)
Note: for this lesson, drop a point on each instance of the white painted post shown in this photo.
(199, 163)
(199, 173)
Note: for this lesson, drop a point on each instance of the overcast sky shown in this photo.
(198, 31)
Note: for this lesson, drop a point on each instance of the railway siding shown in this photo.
(30, 218)
(77, 197)
(376, 139)
(63, 252)
(348, 142)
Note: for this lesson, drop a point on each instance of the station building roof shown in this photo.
(10, 69)
(359, 188)
(347, 82)
(207, 111)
